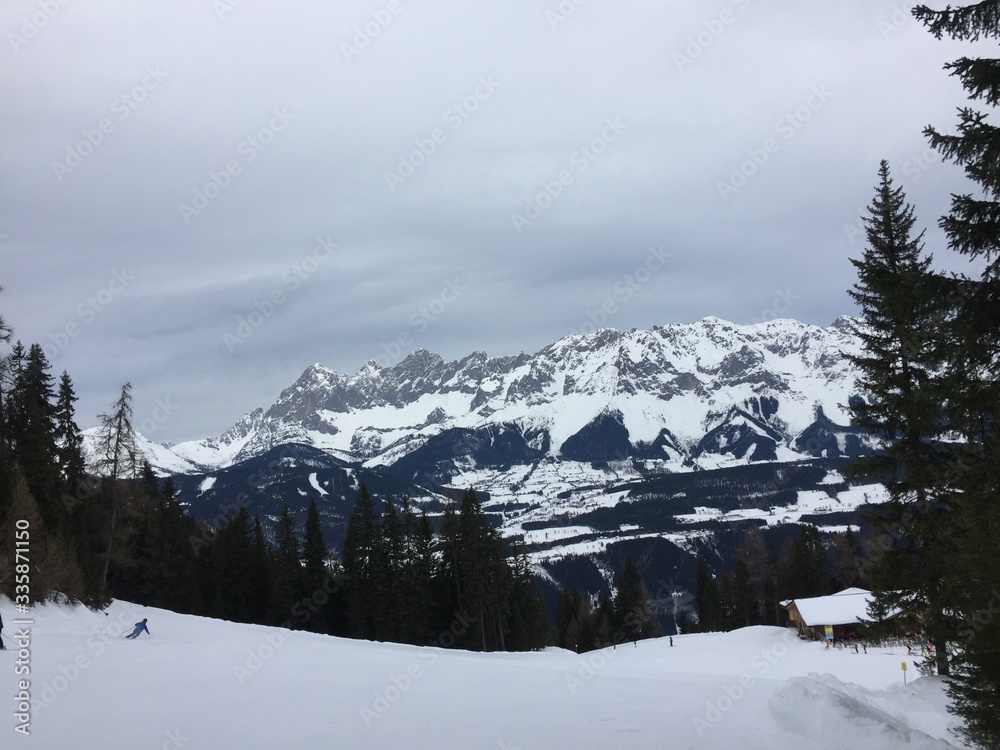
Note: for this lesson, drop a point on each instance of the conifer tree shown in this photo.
(807, 565)
(166, 562)
(288, 573)
(261, 575)
(904, 308)
(358, 558)
(387, 576)
(528, 621)
(68, 436)
(633, 612)
(118, 457)
(707, 599)
(973, 364)
(35, 434)
(314, 552)
(232, 564)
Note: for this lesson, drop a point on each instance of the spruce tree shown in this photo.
(261, 575)
(68, 436)
(314, 552)
(973, 364)
(707, 599)
(358, 558)
(34, 436)
(288, 574)
(633, 610)
(232, 567)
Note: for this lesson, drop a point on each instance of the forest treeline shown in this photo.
(109, 528)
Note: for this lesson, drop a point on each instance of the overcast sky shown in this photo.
(204, 198)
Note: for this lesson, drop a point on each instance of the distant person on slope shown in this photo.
(2, 647)
(139, 627)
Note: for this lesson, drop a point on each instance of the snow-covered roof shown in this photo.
(847, 606)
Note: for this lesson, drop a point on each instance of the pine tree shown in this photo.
(233, 566)
(904, 308)
(528, 621)
(288, 573)
(358, 557)
(35, 435)
(314, 552)
(166, 562)
(68, 436)
(387, 576)
(633, 610)
(707, 599)
(261, 575)
(973, 364)
(753, 555)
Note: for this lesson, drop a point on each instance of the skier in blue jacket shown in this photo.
(139, 627)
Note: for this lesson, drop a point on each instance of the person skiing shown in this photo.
(139, 627)
(2, 647)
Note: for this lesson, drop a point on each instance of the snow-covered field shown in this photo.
(202, 683)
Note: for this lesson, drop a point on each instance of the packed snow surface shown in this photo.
(203, 683)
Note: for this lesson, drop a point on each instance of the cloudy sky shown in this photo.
(205, 197)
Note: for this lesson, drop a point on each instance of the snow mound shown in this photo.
(839, 715)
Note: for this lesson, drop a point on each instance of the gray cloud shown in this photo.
(200, 150)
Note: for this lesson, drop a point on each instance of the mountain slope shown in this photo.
(686, 395)
(197, 682)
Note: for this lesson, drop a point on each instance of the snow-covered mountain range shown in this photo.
(651, 443)
(677, 397)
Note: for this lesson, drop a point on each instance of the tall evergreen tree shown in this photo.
(314, 552)
(288, 573)
(633, 609)
(388, 564)
(35, 434)
(707, 599)
(68, 436)
(261, 575)
(233, 567)
(973, 229)
(358, 558)
(528, 620)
